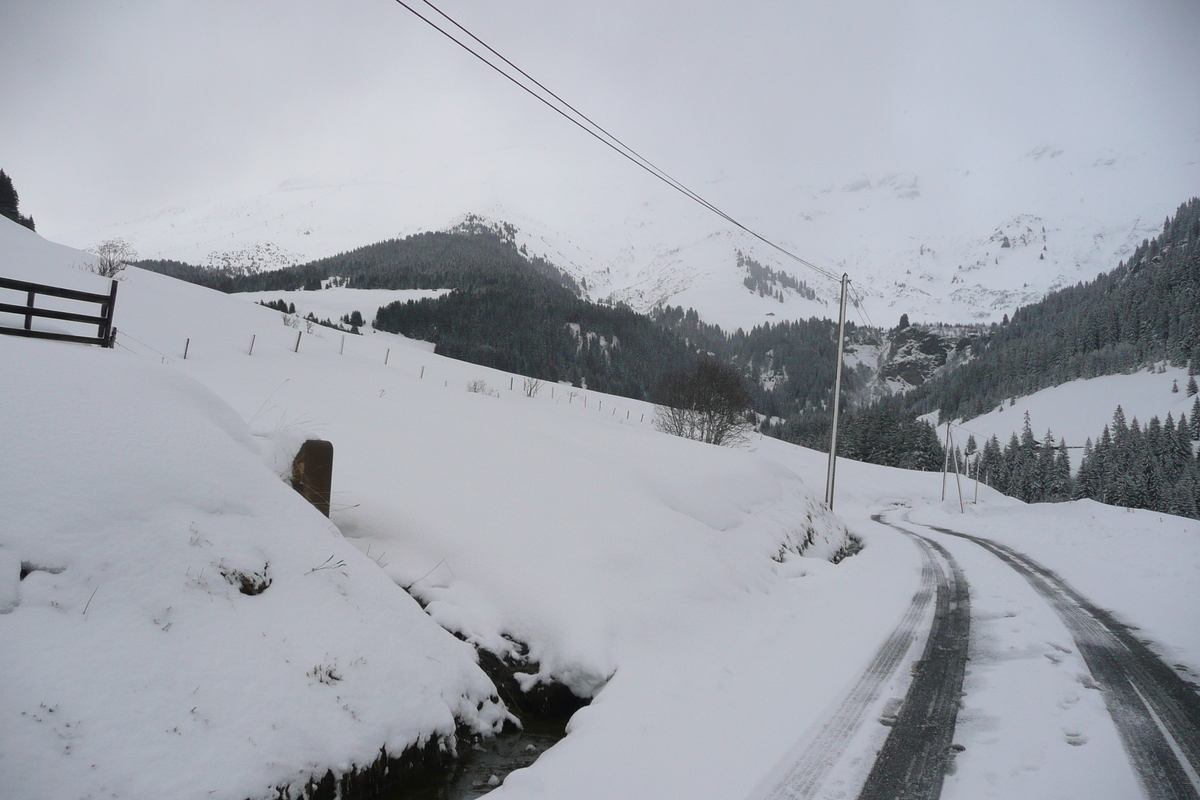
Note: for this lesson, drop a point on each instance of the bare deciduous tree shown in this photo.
(112, 256)
(706, 404)
(532, 386)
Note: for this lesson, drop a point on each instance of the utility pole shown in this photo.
(946, 463)
(957, 479)
(837, 397)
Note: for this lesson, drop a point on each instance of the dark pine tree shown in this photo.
(10, 202)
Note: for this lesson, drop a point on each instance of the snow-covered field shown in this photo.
(1079, 410)
(657, 575)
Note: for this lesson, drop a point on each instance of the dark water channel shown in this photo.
(484, 766)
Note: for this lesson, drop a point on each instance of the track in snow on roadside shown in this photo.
(1156, 713)
(912, 760)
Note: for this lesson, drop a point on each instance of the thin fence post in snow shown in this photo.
(601, 407)
(186, 345)
(551, 392)
(643, 419)
(626, 415)
(386, 356)
(510, 383)
(253, 336)
(422, 372)
(296, 349)
(342, 348)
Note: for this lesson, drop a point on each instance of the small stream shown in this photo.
(484, 766)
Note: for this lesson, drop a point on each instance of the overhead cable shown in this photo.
(594, 130)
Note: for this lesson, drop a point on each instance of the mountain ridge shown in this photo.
(928, 244)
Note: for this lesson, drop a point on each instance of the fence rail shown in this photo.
(105, 333)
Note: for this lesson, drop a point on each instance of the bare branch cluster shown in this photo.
(707, 404)
(532, 386)
(112, 256)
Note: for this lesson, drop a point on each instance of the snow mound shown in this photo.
(187, 624)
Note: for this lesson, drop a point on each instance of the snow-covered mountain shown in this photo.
(963, 246)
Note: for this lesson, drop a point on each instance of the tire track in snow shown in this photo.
(1156, 713)
(913, 761)
(803, 772)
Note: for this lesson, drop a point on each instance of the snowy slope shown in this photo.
(137, 508)
(565, 540)
(655, 573)
(1079, 410)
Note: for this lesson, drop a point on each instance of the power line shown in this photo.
(859, 307)
(596, 131)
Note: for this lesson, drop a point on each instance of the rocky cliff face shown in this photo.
(903, 358)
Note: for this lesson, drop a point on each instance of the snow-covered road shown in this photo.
(1059, 698)
(1155, 713)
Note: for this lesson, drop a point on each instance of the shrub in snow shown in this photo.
(479, 386)
(706, 403)
(112, 256)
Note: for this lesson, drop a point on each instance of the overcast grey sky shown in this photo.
(110, 111)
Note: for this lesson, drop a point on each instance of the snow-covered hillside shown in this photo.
(964, 246)
(562, 522)
(658, 576)
(1079, 410)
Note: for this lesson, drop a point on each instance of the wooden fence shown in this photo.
(105, 333)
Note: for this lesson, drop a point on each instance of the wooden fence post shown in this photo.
(312, 473)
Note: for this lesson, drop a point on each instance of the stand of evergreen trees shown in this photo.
(10, 202)
(533, 326)
(790, 364)
(1150, 466)
(883, 433)
(767, 282)
(1029, 470)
